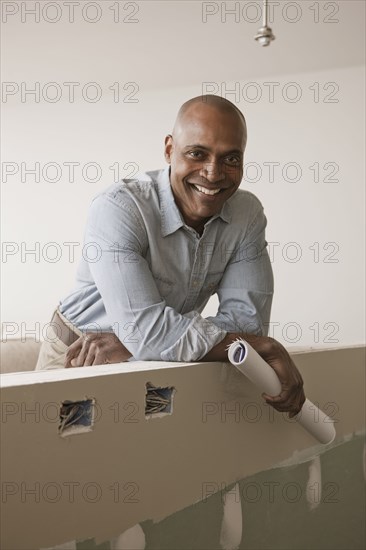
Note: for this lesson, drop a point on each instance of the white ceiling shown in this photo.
(170, 45)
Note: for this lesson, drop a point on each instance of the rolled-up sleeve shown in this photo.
(138, 315)
(246, 289)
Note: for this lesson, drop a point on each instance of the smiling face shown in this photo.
(206, 156)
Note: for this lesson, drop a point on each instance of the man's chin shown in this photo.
(205, 212)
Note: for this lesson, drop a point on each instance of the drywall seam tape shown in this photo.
(250, 363)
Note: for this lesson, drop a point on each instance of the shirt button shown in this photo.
(195, 283)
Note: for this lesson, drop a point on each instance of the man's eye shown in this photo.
(232, 160)
(195, 154)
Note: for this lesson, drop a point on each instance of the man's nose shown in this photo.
(212, 171)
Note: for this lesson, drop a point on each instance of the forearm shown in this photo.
(261, 344)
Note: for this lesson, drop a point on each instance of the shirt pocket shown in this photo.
(164, 286)
(211, 283)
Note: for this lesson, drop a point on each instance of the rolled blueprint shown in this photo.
(250, 363)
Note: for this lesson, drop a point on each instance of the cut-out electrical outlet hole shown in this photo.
(76, 417)
(158, 401)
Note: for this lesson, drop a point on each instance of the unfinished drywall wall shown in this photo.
(129, 468)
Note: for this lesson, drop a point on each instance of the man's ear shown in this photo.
(168, 147)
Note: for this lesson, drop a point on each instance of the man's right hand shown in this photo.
(292, 397)
(96, 349)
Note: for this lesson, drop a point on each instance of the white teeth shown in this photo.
(206, 191)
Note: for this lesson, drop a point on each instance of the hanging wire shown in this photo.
(264, 35)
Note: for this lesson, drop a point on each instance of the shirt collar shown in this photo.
(171, 218)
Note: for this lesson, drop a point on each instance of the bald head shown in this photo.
(209, 106)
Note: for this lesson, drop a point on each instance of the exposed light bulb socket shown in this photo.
(264, 36)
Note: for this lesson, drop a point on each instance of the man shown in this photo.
(164, 244)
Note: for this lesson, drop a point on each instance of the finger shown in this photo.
(290, 407)
(282, 397)
(72, 352)
(296, 409)
(89, 359)
(101, 357)
(284, 402)
(78, 361)
(287, 397)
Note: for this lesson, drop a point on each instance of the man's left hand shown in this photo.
(96, 349)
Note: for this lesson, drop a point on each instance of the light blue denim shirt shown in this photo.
(146, 275)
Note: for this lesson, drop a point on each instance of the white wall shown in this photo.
(308, 293)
